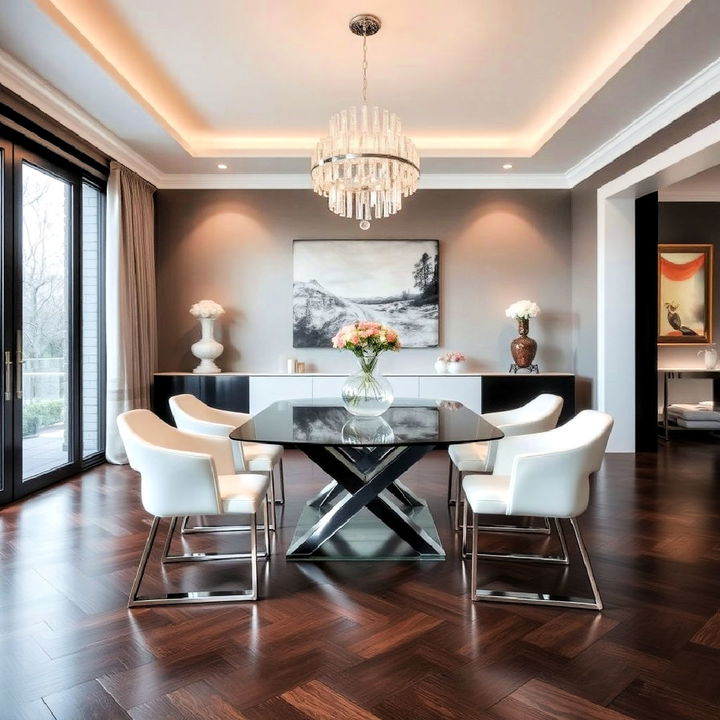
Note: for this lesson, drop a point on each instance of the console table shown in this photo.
(253, 392)
(670, 374)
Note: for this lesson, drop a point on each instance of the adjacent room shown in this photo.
(359, 361)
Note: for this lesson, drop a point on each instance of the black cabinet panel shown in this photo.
(504, 392)
(165, 386)
(227, 392)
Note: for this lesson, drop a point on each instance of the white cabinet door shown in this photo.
(448, 387)
(327, 387)
(265, 391)
(404, 387)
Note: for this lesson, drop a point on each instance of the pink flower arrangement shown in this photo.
(364, 338)
(453, 356)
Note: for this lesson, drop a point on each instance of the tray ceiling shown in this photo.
(189, 81)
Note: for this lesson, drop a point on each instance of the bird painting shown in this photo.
(673, 318)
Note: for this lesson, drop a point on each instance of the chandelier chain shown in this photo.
(364, 67)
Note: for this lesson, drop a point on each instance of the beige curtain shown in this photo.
(131, 325)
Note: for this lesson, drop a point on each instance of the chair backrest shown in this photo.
(550, 471)
(539, 415)
(193, 415)
(178, 470)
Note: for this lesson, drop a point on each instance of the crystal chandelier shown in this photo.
(365, 166)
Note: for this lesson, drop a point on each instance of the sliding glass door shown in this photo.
(52, 303)
(6, 325)
(45, 352)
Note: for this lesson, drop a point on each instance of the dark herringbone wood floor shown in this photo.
(362, 641)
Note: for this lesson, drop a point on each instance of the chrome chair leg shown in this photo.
(281, 501)
(597, 604)
(190, 598)
(271, 492)
(266, 527)
(544, 530)
(459, 500)
(167, 557)
(450, 498)
(527, 598)
(187, 529)
(474, 557)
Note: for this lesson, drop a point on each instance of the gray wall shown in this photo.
(235, 247)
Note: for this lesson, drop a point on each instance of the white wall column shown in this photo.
(616, 318)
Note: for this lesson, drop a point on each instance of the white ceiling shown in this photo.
(543, 83)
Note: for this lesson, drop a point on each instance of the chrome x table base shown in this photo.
(365, 477)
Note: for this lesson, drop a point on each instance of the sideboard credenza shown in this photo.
(250, 392)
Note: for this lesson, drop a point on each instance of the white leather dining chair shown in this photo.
(187, 474)
(193, 415)
(540, 475)
(538, 415)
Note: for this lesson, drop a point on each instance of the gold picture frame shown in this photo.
(685, 311)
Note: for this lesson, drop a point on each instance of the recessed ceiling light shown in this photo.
(507, 166)
(222, 166)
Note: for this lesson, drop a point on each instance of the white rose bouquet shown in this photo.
(206, 309)
(524, 309)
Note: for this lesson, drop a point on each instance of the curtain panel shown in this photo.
(131, 324)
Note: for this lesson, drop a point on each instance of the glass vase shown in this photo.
(367, 393)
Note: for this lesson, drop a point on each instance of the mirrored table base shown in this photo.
(366, 514)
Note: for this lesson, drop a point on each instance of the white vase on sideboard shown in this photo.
(456, 367)
(207, 349)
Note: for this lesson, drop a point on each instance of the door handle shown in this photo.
(8, 374)
(20, 360)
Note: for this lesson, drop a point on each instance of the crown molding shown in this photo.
(297, 181)
(492, 181)
(234, 181)
(689, 196)
(38, 92)
(680, 101)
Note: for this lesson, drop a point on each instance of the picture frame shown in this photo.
(338, 282)
(685, 297)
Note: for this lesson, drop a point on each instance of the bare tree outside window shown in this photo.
(46, 226)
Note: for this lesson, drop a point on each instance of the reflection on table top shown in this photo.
(327, 422)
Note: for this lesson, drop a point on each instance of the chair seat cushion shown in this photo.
(242, 493)
(470, 457)
(487, 494)
(261, 457)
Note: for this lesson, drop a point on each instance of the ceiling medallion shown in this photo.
(365, 166)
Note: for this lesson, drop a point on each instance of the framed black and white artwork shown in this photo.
(337, 282)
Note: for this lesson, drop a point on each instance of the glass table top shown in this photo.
(405, 422)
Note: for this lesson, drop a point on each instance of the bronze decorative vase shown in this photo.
(523, 348)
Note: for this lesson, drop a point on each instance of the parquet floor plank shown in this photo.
(88, 701)
(319, 702)
(387, 641)
(541, 701)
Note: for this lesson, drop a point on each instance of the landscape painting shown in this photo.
(337, 282)
(685, 294)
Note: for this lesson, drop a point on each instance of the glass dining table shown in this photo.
(365, 512)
